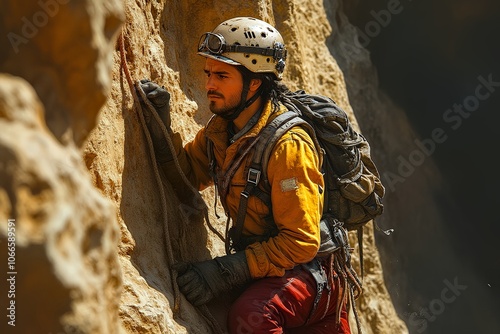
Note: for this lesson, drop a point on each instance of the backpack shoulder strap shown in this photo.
(267, 138)
(285, 126)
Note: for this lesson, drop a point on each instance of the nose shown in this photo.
(210, 83)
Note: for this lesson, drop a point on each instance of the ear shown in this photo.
(254, 85)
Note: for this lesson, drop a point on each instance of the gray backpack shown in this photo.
(353, 190)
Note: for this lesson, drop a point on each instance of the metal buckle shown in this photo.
(279, 52)
(253, 176)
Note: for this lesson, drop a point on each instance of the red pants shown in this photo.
(283, 304)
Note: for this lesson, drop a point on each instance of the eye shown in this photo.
(222, 76)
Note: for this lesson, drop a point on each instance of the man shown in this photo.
(273, 255)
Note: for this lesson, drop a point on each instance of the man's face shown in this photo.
(224, 85)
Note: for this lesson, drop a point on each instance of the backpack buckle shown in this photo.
(253, 176)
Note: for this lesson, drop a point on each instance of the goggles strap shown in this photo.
(278, 52)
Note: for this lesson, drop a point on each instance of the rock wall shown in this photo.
(88, 244)
(58, 233)
(161, 46)
(424, 253)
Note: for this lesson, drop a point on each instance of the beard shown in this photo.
(222, 106)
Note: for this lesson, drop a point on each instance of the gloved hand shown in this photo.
(200, 282)
(160, 99)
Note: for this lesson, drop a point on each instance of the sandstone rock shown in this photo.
(64, 49)
(161, 47)
(84, 252)
(66, 275)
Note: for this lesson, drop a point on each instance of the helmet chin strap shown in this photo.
(244, 103)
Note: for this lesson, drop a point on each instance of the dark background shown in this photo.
(429, 57)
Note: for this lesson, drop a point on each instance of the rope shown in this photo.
(351, 287)
(138, 108)
(355, 310)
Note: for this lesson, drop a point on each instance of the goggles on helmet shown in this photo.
(216, 44)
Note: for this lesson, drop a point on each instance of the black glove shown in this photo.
(160, 100)
(200, 282)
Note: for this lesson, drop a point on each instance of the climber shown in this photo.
(272, 259)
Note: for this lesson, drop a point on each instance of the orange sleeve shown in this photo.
(297, 203)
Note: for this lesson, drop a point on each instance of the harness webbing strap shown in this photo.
(283, 128)
(360, 246)
(266, 136)
(224, 187)
(315, 268)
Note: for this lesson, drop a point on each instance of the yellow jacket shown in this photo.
(296, 191)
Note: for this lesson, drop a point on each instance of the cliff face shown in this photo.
(426, 163)
(59, 230)
(87, 206)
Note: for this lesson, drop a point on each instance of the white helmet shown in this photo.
(246, 41)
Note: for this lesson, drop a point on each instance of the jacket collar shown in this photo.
(216, 129)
